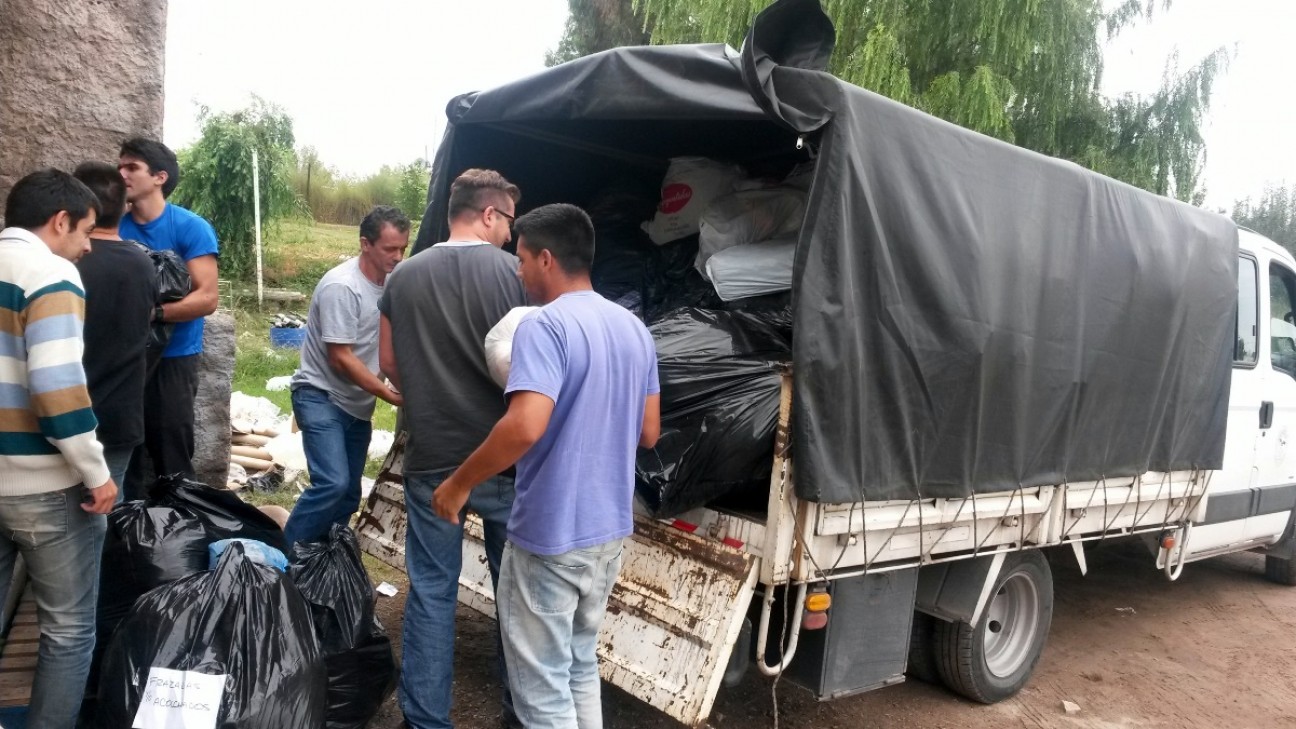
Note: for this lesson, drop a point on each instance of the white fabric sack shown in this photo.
(499, 343)
(287, 450)
(752, 270)
(750, 216)
(691, 184)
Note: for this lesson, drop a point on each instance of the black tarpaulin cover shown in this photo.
(969, 316)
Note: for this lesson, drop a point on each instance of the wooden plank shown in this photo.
(24, 633)
(18, 662)
(18, 650)
(15, 688)
(19, 655)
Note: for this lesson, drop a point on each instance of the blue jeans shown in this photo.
(60, 544)
(118, 458)
(336, 445)
(433, 558)
(551, 607)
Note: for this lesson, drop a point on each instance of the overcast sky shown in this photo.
(367, 83)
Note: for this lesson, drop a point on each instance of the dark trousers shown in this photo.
(168, 422)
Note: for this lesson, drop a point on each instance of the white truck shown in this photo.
(931, 569)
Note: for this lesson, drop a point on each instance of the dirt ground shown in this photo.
(1215, 649)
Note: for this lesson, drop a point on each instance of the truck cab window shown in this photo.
(1282, 327)
(1244, 341)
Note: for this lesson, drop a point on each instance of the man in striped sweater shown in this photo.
(54, 483)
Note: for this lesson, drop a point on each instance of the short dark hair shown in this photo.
(372, 225)
(564, 230)
(43, 194)
(108, 187)
(157, 156)
(477, 189)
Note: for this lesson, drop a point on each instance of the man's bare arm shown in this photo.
(344, 362)
(387, 352)
(651, 429)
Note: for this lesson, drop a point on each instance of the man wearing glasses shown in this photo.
(437, 308)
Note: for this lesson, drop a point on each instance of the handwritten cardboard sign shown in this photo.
(179, 700)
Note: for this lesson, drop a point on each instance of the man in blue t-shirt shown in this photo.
(151, 172)
(582, 394)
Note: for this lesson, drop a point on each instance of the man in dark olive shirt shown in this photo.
(437, 307)
(120, 292)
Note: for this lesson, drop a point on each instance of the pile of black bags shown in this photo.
(720, 386)
(300, 649)
(718, 362)
(242, 620)
(163, 538)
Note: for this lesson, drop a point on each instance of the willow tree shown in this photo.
(216, 177)
(1025, 71)
(1273, 215)
(597, 25)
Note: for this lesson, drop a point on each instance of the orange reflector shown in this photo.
(817, 602)
(1168, 542)
(814, 621)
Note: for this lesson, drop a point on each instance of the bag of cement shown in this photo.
(752, 270)
(690, 185)
(499, 343)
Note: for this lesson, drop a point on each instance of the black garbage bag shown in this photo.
(720, 397)
(624, 256)
(163, 538)
(241, 620)
(674, 281)
(173, 283)
(357, 652)
(172, 275)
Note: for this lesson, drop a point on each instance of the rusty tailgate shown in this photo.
(672, 619)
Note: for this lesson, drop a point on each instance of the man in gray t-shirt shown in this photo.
(333, 392)
(436, 311)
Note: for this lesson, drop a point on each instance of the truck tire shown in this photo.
(1281, 571)
(992, 661)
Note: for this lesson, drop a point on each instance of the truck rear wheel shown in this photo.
(1281, 571)
(991, 661)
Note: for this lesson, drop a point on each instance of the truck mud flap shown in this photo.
(673, 618)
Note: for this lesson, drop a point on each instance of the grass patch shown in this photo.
(285, 497)
(380, 572)
(255, 361)
(298, 252)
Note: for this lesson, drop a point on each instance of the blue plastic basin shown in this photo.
(288, 337)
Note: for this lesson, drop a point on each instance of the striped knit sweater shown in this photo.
(47, 429)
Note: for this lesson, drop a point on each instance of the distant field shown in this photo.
(299, 252)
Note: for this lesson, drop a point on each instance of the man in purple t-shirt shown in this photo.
(582, 395)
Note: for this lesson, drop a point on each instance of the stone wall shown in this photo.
(76, 78)
(212, 405)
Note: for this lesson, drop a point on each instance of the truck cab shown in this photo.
(1250, 500)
